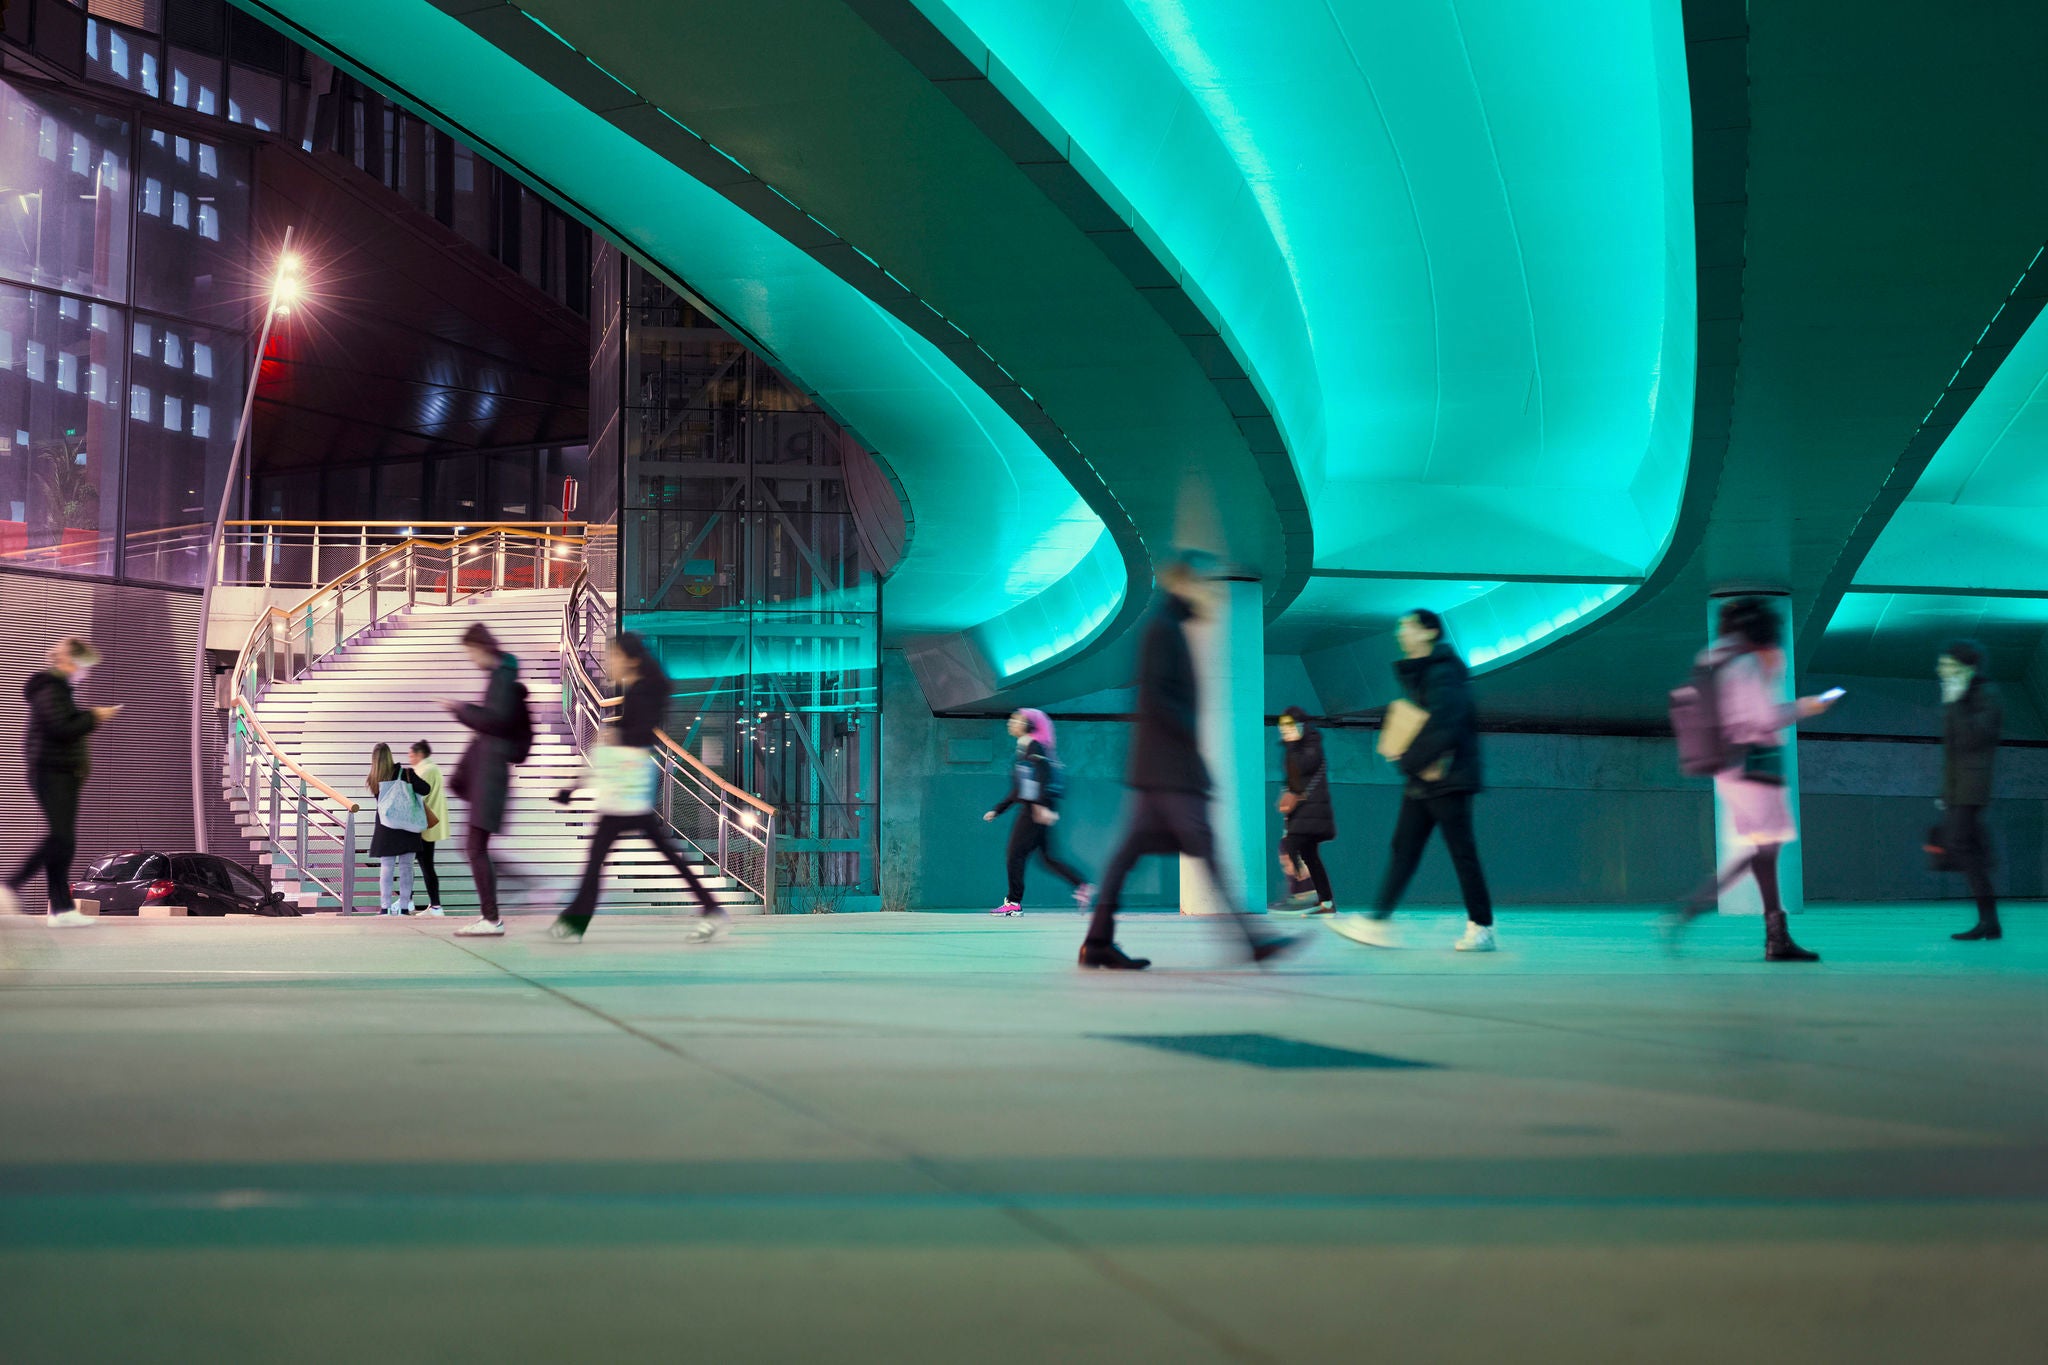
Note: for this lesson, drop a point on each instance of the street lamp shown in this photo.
(287, 289)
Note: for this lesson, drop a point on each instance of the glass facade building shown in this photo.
(124, 306)
(741, 560)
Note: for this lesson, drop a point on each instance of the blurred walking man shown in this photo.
(1168, 811)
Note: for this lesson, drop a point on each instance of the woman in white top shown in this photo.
(1749, 667)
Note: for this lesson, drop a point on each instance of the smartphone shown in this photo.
(1834, 694)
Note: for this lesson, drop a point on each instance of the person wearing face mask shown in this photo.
(1971, 720)
(1035, 788)
(58, 764)
(1748, 664)
(1305, 805)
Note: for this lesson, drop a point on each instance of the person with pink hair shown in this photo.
(1036, 784)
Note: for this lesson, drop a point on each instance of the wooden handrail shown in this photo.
(249, 714)
(602, 528)
(607, 703)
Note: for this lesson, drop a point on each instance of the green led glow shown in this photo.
(1977, 518)
(1452, 243)
(996, 524)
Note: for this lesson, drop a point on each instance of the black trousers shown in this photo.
(57, 793)
(1160, 822)
(1308, 854)
(1419, 816)
(1760, 862)
(427, 873)
(477, 844)
(1969, 848)
(1027, 837)
(610, 829)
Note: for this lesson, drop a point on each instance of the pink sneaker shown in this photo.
(1008, 908)
(1084, 895)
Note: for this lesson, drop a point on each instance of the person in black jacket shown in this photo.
(1035, 791)
(1305, 805)
(484, 776)
(1971, 719)
(1442, 768)
(1169, 806)
(58, 764)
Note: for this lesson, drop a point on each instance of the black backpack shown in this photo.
(519, 743)
(1703, 747)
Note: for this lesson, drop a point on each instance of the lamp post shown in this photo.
(286, 288)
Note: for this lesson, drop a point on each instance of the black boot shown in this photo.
(1778, 944)
(1112, 958)
(1984, 929)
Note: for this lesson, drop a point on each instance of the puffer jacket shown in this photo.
(1439, 684)
(1970, 727)
(1308, 777)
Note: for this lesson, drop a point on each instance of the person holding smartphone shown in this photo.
(59, 761)
(1748, 667)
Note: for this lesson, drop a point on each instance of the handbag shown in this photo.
(1764, 764)
(400, 807)
(1939, 859)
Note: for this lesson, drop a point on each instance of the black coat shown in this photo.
(1030, 779)
(484, 776)
(57, 727)
(1439, 684)
(1970, 726)
(386, 842)
(1308, 777)
(1165, 754)
(643, 710)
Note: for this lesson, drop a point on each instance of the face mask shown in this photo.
(80, 674)
(1952, 688)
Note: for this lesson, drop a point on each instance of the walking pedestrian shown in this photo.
(1971, 720)
(624, 777)
(1441, 764)
(1036, 786)
(401, 819)
(1747, 665)
(1311, 819)
(1168, 810)
(436, 801)
(503, 732)
(59, 762)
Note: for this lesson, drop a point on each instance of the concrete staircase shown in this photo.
(385, 687)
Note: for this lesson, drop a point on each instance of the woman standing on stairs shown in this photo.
(503, 735)
(625, 778)
(401, 819)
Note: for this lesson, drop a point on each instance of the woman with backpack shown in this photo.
(1745, 668)
(401, 820)
(504, 735)
(1037, 782)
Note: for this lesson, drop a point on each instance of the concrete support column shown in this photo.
(1743, 898)
(1230, 667)
(908, 760)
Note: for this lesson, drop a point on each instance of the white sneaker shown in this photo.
(10, 904)
(67, 919)
(1478, 939)
(482, 928)
(432, 912)
(1366, 929)
(706, 928)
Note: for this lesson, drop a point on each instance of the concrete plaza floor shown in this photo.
(929, 1138)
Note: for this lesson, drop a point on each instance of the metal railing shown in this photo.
(305, 822)
(309, 554)
(733, 829)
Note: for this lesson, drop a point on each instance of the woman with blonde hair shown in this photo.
(401, 819)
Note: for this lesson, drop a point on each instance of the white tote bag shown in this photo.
(399, 807)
